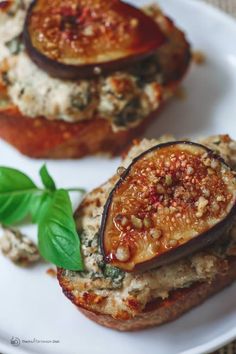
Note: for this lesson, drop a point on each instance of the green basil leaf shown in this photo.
(16, 190)
(58, 239)
(12, 180)
(47, 180)
(38, 205)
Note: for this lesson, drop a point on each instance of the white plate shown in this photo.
(32, 305)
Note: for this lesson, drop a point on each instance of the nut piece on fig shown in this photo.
(173, 200)
(85, 38)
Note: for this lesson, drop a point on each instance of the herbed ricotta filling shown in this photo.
(11, 23)
(124, 98)
(116, 287)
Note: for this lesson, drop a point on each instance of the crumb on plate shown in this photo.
(199, 57)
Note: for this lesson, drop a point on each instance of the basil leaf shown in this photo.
(47, 180)
(12, 179)
(16, 190)
(38, 205)
(58, 239)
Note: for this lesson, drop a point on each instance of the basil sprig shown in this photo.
(47, 179)
(48, 207)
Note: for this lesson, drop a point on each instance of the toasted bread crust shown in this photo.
(42, 138)
(163, 311)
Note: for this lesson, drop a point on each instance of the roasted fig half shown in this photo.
(173, 200)
(5, 5)
(84, 38)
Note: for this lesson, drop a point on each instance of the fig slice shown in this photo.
(5, 5)
(173, 200)
(83, 38)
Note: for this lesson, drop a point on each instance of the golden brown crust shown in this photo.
(42, 138)
(163, 311)
(58, 139)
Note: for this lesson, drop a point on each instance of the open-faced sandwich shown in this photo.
(160, 236)
(82, 77)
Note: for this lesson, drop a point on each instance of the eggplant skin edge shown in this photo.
(198, 243)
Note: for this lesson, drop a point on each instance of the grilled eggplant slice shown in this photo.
(81, 39)
(173, 200)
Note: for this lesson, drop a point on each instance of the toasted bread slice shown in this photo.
(43, 138)
(160, 311)
(130, 301)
